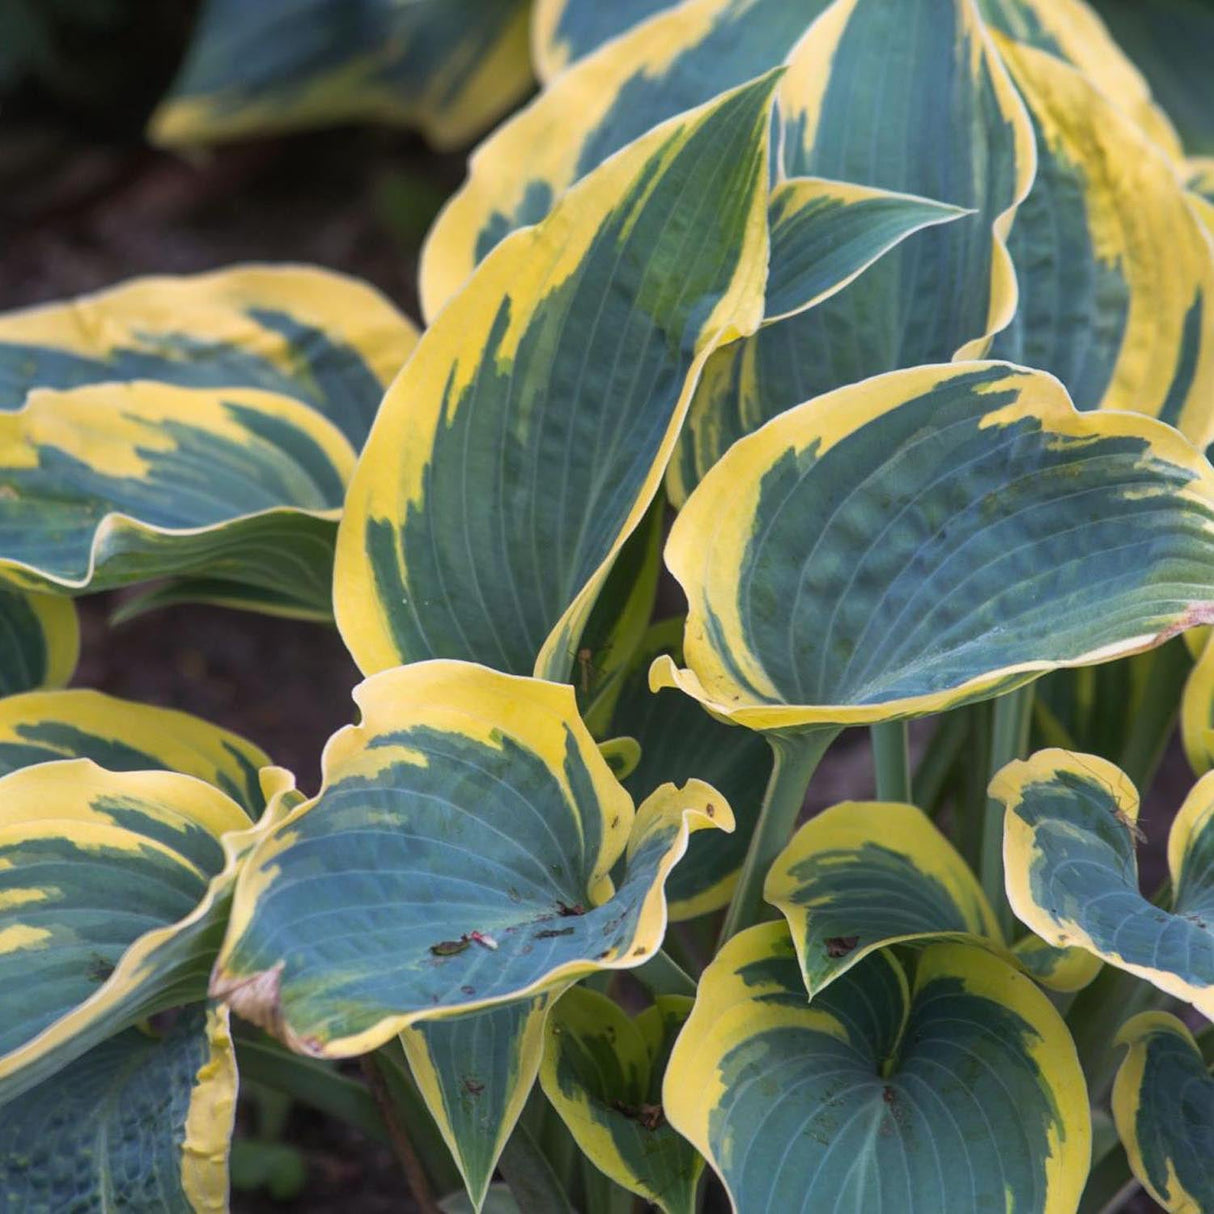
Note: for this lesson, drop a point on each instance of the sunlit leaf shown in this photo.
(929, 538)
(603, 1075)
(140, 1122)
(528, 435)
(456, 859)
(447, 67)
(1163, 1102)
(1072, 870)
(953, 1091)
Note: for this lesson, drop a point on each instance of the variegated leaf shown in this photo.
(141, 1122)
(113, 896)
(566, 30)
(929, 538)
(1072, 31)
(1072, 870)
(327, 340)
(527, 437)
(39, 641)
(1116, 274)
(456, 859)
(121, 735)
(679, 741)
(1163, 1103)
(475, 1073)
(681, 59)
(897, 95)
(603, 1074)
(114, 483)
(447, 67)
(954, 1092)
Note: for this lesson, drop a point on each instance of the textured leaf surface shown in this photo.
(1116, 275)
(1163, 1103)
(603, 1075)
(679, 741)
(932, 537)
(528, 435)
(139, 1123)
(39, 641)
(113, 483)
(864, 875)
(1072, 871)
(680, 60)
(475, 1073)
(466, 802)
(448, 67)
(121, 735)
(567, 30)
(955, 1094)
(824, 234)
(329, 341)
(901, 95)
(113, 889)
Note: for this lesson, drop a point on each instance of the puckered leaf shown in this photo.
(113, 896)
(958, 1092)
(1169, 40)
(933, 537)
(1163, 1103)
(1116, 274)
(680, 60)
(527, 437)
(901, 95)
(456, 858)
(39, 641)
(475, 1073)
(1072, 871)
(140, 1123)
(679, 741)
(1071, 31)
(603, 1074)
(121, 735)
(864, 875)
(114, 483)
(447, 67)
(329, 341)
(567, 30)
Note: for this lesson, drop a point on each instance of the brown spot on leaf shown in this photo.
(449, 948)
(468, 990)
(472, 1087)
(647, 1116)
(840, 946)
(568, 912)
(551, 932)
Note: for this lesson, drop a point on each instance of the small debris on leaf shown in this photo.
(549, 933)
(449, 948)
(840, 946)
(648, 1116)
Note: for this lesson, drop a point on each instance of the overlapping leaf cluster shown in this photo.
(903, 310)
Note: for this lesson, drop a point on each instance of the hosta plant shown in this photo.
(882, 331)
